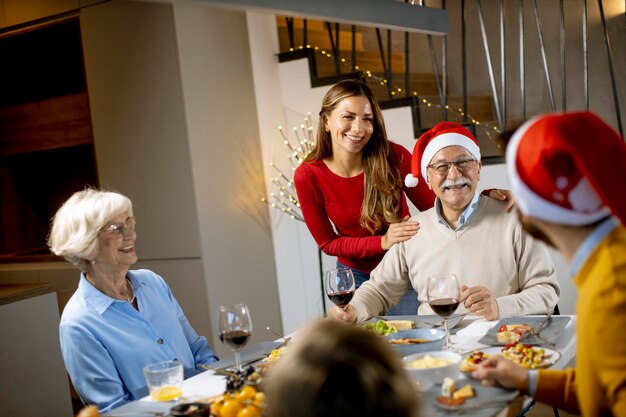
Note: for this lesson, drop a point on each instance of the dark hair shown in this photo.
(339, 370)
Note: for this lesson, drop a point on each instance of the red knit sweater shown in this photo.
(326, 197)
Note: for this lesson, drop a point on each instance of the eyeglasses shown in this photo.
(442, 168)
(121, 229)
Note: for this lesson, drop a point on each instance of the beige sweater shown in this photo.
(491, 250)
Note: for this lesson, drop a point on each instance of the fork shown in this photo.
(535, 331)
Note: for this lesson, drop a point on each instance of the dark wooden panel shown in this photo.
(47, 124)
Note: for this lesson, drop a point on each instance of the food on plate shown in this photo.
(242, 398)
(427, 362)
(526, 355)
(401, 324)
(516, 328)
(380, 328)
(508, 337)
(466, 392)
(471, 361)
(247, 402)
(408, 341)
(450, 401)
(275, 354)
(448, 387)
(89, 411)
(511, 333)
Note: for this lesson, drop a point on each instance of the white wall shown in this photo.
(140, 135)
(226, 165)
(296, 254)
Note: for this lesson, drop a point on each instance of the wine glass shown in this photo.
(234, 328)
(340, 286)
(443, 295)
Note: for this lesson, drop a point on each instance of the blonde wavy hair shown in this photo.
(383, 183)
(75, 226)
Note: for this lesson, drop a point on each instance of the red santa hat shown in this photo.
(432, 141)
(567, 169)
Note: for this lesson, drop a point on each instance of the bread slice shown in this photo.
(465, 392)
(401, 324)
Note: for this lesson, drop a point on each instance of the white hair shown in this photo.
(75, 226)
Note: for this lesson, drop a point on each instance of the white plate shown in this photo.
(487, 402)
(554, 355)
(549, 333)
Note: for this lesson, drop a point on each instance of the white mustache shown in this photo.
(455, 183)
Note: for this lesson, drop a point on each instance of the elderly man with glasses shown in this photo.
(503, 272)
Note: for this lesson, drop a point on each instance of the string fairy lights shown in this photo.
(486, 128)
(283, 192)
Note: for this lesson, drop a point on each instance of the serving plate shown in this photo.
(435, 341)
(424, 321)
(553, 355)
(550, 332)
(487, 401)
(248, 355)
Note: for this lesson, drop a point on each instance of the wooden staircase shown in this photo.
(422, 96)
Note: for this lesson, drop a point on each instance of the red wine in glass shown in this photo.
(340, 286)
(444, 307)
(341, 298)
(234, 328)
(444, 295)
(235, 339)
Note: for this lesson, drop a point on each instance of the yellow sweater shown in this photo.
(597, 387)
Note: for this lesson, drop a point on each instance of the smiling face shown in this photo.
(351, 125)
(117, 244)
(455, 189)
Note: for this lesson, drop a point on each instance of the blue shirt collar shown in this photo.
(465, 215)
(589, 244)
(98, 300)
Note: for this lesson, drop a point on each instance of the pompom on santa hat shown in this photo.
(432, 141)
(568, 169)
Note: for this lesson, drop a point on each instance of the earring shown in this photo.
(92, 261)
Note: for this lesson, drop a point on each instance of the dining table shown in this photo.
(465, 336)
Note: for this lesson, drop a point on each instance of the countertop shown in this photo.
(11, 293)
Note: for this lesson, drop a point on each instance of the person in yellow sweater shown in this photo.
(566, 172)
(503, 272)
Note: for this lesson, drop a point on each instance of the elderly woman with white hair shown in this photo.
(118, 320)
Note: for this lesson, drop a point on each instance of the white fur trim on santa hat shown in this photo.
(443, 141)
(532, 204)
(411, 181)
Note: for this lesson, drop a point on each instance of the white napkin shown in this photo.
(477, 328)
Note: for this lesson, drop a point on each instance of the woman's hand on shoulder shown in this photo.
(503, 195)
(399, 232)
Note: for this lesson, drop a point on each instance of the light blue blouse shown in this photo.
(106, 342)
